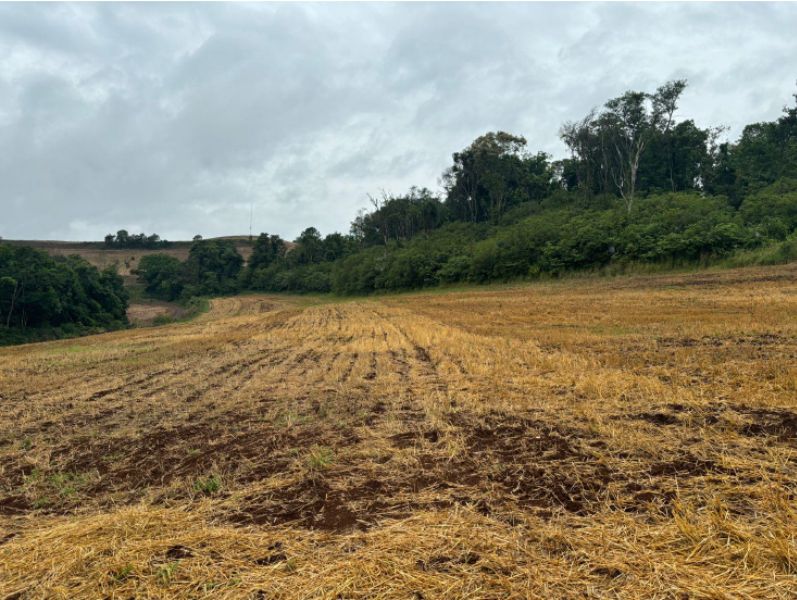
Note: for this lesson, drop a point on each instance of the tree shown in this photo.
(212, 267)
(123, 239)
(677, 160)
(336, 246)
(493, 174)
(43, 292)
(609, 146)
(266, 250)
(9, 288)
(766, 152)
(162, 275)
(397, 218)
(580, 138)
(665, 103)
(309, 247)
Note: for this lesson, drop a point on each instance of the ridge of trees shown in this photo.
(639, 185)
(122, 239)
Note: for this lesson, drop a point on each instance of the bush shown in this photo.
(773, 210)
(213, 267)
(162, 275)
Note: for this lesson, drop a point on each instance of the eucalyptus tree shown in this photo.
(608, 146)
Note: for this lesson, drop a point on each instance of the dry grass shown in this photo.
(125, 260)
(601, 438)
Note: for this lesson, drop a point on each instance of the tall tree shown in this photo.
(493, 174)
(609, 145)
(766, 152)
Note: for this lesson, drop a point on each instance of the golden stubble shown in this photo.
(630, 437)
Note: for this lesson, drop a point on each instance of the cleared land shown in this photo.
(631, 438)
(124, 259)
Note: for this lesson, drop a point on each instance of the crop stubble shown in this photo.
(627, 437)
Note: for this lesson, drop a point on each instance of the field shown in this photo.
(626, 438)
(125, 260)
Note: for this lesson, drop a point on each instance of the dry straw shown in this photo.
(629, 438)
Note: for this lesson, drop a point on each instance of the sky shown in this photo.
(180, 119)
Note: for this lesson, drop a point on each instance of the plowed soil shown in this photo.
(634, 437)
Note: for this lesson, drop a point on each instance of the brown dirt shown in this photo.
(631, 437)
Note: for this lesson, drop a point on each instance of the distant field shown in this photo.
(632, 437)
(126, 260)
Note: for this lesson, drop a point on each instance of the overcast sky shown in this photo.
(176, 118)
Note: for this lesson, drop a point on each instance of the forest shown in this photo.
(45, 297)
(640, 186)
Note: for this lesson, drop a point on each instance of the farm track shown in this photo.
(631, 437)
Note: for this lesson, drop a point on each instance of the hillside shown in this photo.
(629, 437)
(125, 259)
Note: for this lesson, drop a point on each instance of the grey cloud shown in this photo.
(176, 118)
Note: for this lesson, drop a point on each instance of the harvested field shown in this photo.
(146, 313)
(632, 437)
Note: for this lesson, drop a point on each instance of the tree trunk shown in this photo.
(13, 301)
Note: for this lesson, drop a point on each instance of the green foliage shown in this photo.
(208, 485)
(162, 275)
(213, 267)
(667, 228)
(123, 573)
(305, 266)
(687, 227)
(772, 254)
(166, 573)
(397, 218)
(123, 239)
(43, 296)
(641, 189)
(494, 174)
(319, 458)
(417, 263)
(52, 487)
(765, 153)
(772, 210)
(267, 250)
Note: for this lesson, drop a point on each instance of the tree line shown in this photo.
(123, 239)
(640, 185)
(44, 296)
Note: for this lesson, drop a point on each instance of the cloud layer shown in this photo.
(177, 118)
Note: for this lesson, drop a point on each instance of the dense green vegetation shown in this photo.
(44, 297)
(213, 267)
(639, 186)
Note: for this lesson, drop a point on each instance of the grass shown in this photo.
(165, 573)
(773, 254)
(627, 437)
(208, 485)
(320, 458)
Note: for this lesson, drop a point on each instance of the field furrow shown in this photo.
(601, 438)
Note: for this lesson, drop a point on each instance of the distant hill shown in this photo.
(126, 259)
